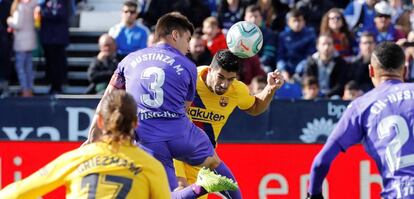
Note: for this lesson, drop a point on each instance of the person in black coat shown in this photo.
(5, 49)
(331, 70)
(54, 37)
(103, 66)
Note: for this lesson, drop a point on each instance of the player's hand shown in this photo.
(275, 79)
(317, 196)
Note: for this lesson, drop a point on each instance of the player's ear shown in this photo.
(99, 121)
(371, 70)
(175, 34)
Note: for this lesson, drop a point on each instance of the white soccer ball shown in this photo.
(244, 39)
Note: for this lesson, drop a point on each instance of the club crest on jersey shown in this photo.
(224, 101)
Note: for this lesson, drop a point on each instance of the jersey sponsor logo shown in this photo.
(143, 115)
(200, 114)
(224, 101)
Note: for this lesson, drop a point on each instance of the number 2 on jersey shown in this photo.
(92, 180)
(392, 153)
(156, 98)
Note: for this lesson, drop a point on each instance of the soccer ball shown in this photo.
(244, 39)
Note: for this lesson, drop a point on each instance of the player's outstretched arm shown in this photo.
(274, 81)
(94, 132)
(320, 167)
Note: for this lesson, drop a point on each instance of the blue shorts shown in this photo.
(193, 148)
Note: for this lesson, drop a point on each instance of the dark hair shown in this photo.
(294, 13)
(253, 8)
(119, 112)
(352, 85)
(389, 55)
(309, 80)
(172, 21)
(198, 33)
(130, 3)
(226, 60)
(367, 34)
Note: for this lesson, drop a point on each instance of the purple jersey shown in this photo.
(160, 79)
(383, 119)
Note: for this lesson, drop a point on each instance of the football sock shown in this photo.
(223, 170)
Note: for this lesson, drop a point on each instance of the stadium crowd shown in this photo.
(323, 48)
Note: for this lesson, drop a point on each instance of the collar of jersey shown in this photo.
(169, 47)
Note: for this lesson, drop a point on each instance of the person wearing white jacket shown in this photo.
(22, 22)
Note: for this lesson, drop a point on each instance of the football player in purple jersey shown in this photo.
(162, 81)
(383, 120)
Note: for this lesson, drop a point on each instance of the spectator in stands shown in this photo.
(198, 50)
(400, 16)
(54, 36)
(257, 84)
(22, 22)
(352, 91)
(195, 10)
(229, 12)
(250, 68)
(83, 5)
(310, 88)
(129, 34)
(213, 36)
(333, 23)
(360, 63)
(5, 49)
(359, 15)
(408, 46)
(291, 89)
(313, 10)
(330, 70)
(152, 10)
(268, 52)
(296, 42)
(277, 21)
(103, 66)
(384, 28)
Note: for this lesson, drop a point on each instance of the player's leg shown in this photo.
(221, 168)
(186, 175)
(159, 150)
(181, 173)
(211, 182)
(199, 151)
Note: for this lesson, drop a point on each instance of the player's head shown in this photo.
(387, 62)
(117, 116)
(223, 70)
(175, 29)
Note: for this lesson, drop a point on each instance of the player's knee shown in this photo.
(213, 162)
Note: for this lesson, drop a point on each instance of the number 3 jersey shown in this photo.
(97, 171)
(161, 80)
(383, 119)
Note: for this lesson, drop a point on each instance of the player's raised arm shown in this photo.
(274, 81)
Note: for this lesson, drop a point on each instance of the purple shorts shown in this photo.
(193, 148)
